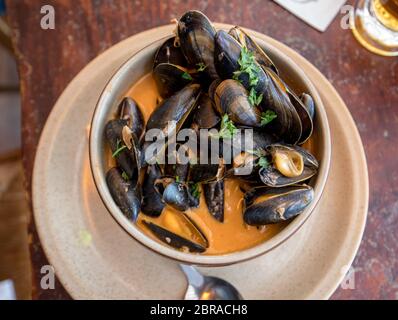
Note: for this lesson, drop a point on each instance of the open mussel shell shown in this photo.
(205, 115)
(152, 202)
(231, 98)
(227, 52)
(214, 197)
(126, 159)
(176, 108)
(212, 88)
(245, 40)
(287, 124)
(309, 103)
(196, 36)
(264, 206)
(170, 53)
(292, 159)
(170, 78)
(245, 168)
(130, 111)
(178, 231)
(305, 116)
(125, 193)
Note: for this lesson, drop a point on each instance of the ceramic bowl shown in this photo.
(130, 72)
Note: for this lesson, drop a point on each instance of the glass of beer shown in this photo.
(375, 25)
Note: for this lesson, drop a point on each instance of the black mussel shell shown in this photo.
(170, 79)
(126, 159)
(125, 193)
(269, 206)
(245, 40)
(195, 241)
(169, 53)
(305, 117)
(176, 108)
(232, 98)
(309, 103)
(130, 111)
(196, 35)
(287, 124)
(175, 194)
(271, 177)
(152, 203)
(205, 115)
(214, 196)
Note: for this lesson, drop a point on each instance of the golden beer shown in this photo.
(375, 25)
(387, 12)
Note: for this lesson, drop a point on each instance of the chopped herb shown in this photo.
(258, 152)
(125, 176)
(195, 190)
(186, 76)
(255, 99)
(267, 117)
(119, 148)
(263, 162)
(228, 129)
(201, 67)
(247, 64)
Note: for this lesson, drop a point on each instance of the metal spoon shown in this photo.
(201, 287)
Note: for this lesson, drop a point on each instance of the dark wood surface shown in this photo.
(49, 59)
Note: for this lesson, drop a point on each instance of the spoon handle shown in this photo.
(195, 279)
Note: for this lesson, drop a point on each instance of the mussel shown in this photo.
(290, 165)
(245, 40)
(175, 193)
(232, 98)
(214, 196)
(309, 103)
(304, 114)
(176, 108)
(170, 53)
(125, 158)
(287, 124)
(125, 192)
(170, 78)
(152, 202)
(264, 206)
(205, 115)
(130, 111)
(196, 37)
(178, 231)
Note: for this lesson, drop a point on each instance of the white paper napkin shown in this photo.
(7, 291)
(317, 13)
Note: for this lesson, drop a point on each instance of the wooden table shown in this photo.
(49, 59)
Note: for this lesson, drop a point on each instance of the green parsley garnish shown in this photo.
(258, 152)
(201, 67)
(186, 76)
(255, 99)
(125, 176)
(228, 128)
(119, 148)
(263, 162)
(195, 190)
(247, 64)
(267, 117)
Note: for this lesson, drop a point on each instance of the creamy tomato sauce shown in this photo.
(231, 235)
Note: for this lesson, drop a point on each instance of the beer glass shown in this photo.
(375, 25)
